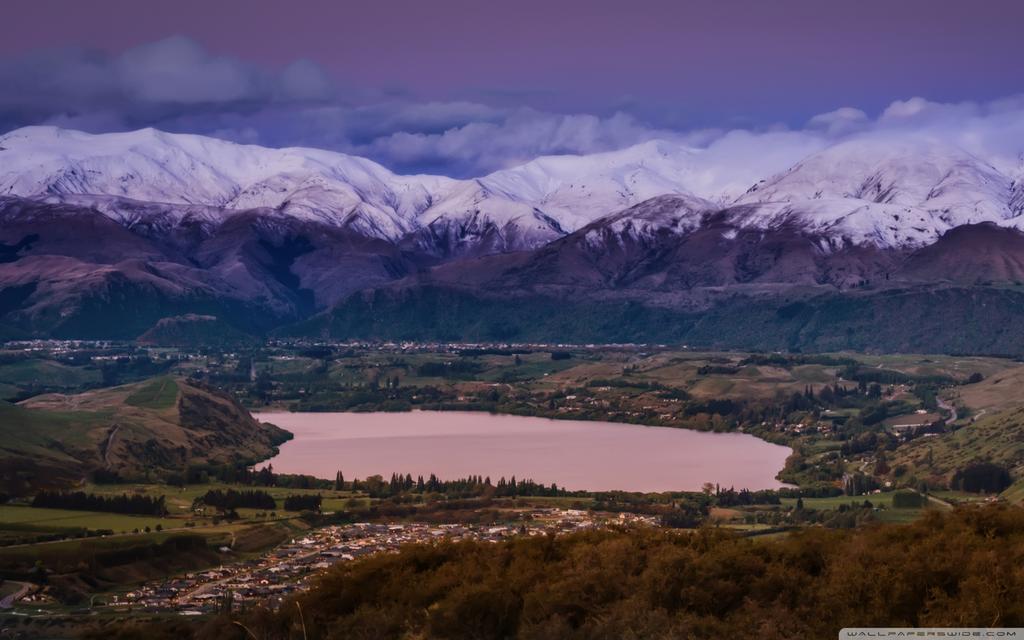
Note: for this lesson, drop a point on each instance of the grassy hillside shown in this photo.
(997, 392)
(47, 373)
(34, 446)
(145, 430)
(997, 438)
(159, 394)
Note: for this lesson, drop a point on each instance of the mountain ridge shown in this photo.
(256, 239)
(893, 192)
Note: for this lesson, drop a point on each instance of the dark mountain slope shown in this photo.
(970, 254)
(922, 319)
(671, 269)
(673, 253)
(71, 271)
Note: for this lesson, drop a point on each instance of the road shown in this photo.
(108, 444)
(947, 407)
(939, 501)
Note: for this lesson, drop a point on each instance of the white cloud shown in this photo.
(993, 130)
(304, 80)
(177, 70)
(177, 85)
(739, 158)
(519, 137)
(840, 121)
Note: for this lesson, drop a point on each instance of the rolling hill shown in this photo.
(147, 430)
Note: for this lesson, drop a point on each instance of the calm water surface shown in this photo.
(596, 456)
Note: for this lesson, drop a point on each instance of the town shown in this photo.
(293, 565)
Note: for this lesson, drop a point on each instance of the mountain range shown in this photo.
(900, 243)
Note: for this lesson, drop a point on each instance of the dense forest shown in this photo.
(81, 501)
(957, 568)
(301, 502)
(229, 500)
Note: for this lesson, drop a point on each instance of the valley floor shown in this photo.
(877, 439)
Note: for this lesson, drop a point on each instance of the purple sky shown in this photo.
(671, 65)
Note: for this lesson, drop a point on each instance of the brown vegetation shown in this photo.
(962, 568)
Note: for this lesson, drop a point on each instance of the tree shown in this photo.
(881, 465)
(982, 477)
(263, 384)
(303, 503)
(226, 502)
(79, 500)
(265, 477)
(908, 500)
(827, 396)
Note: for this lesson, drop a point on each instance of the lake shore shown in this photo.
(588, 455)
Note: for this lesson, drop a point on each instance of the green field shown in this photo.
(179, 500)
(22, 523)
(883, 500)
(47, 519)
(47, 373)
(28, 432)
(158, 394)
(8, 391)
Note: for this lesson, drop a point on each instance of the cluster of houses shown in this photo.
(291, 566)
(824, 427)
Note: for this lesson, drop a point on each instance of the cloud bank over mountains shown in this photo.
(177, 85)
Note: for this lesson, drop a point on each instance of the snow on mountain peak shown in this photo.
(154, 166)
(903, 191)
(885, 191)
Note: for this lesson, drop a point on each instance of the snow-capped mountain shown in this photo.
(570, 188)
(153, 166)
(551, 196)
(884, 192)
(521, 207)
(903, 192)
(106, 235)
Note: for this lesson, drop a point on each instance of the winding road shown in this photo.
(947, 407)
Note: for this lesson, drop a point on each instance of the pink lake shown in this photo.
(596, 456)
